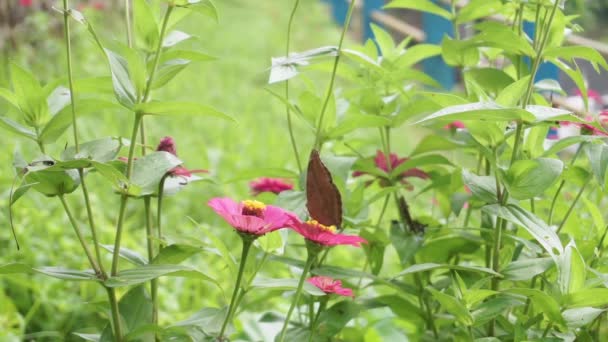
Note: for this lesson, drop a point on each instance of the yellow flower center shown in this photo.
(253, 208)
(315, 223)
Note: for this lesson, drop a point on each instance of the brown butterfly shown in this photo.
(323, 199)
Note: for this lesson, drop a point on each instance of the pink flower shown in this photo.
(587, 129)
(26, 3)
(324, 235)
(395, 161)
(167, 144)
(454, 125)
(251, 217)
(329, 285)
(591, 94)
(274, 185)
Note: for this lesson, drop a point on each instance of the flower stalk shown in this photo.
(247, 242)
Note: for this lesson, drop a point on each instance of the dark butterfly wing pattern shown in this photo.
(323, 199)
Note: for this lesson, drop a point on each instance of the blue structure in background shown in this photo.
(436, 28)
(369, 6)
(339, 9)
(546, 70)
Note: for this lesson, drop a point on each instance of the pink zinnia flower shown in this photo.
(454, 125)
(167, 144)
(251, 217)
(320, 234)
(274, 185)
(395, 161)
(26, 3)
(329, 285)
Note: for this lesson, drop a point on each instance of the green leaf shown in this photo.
(174, 254)
(51, 182)
(16, 128)
(354, 121)
(542, 302)
(406, 244)
(66, 274)
(482, 187)
(9, 97)
(500, 35)
(572, 270)
(209, 320)
(579, 317)
(334, 319)
(490, 79)
(58, 99)
(477, 9)
(569, 141)
(30, 96)
(421, 5)
(146, 273)
(136, 310)
(124, 89)
(530, 178)
(204, 7)
(432, 266)
(587, 297)
(544, 113)
(598, 157)
(100, 150)
(578, 51)
(429, 159)
(417, 53)
(194, 56)
(432, 143)
(286, 285)
(494, 307)
(459, 52)
(513, 93)
(128, 254)
(542, 233)
(526, 269)
(146, 27)
(63, 120)
(453, 306)
(178, 107)
(486, 111)
(168, 70)
(174, 38)
(150, 169)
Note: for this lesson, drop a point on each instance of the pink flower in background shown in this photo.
(455, 125)
(592, 94)
(395, 161)
(324, 235)
(251, 217)
(26, 3)
(587, 129)
(329, 286)
(274, 185)
(167, 144)
(98, 5)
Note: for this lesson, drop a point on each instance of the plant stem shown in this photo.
(296, 299)
(68, 48)
(85, 192)
(578, 196)
(425, 304)
(124, 198)
(287, 107)
(313, 323)
(128, 22)
(150, 246)
(330, 87)
(159, 206)
(157, 54)
(79, 235)
(115, 314)
(247, 242)
(562, 183)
